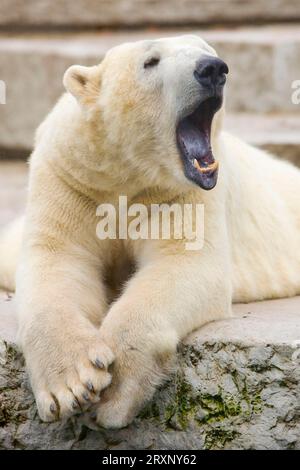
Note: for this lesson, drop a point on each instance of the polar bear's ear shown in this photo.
(83, 82)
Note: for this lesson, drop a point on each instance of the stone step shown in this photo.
(137, 13)
(262, 62)
(236, 386)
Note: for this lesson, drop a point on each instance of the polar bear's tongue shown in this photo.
(196, 142)
(193, 139)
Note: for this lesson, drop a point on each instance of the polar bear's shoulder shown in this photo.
(65, 108)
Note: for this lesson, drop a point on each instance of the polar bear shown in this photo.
(103, 318)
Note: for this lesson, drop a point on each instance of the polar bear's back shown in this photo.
(264, 222)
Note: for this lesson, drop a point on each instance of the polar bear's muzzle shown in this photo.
(194, 142)
(194, 131)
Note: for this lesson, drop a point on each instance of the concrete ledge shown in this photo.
(90, 13)
(237, 386)
(262, 64)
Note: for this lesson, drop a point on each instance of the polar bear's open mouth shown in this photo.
(193, 139)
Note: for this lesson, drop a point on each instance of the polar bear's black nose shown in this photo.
(211, 71)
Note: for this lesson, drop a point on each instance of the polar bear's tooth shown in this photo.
(196, 164)
(206, 169)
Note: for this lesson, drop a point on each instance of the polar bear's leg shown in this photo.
(61, 301)
(166, 299)
(61, 298)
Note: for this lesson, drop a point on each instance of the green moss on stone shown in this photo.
(203, 408)
(216, 438)
(218, 407)
(183, 404)
(188, 404)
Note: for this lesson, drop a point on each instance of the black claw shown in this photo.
(93, 416)
(99, 364)
(90, 386)
(75, 404)
(52, 408)
(86, 396)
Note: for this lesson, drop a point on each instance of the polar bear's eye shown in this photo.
(151, 62)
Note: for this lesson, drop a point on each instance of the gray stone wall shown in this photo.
(135, 13)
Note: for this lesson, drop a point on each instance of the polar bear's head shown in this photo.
(153, 105)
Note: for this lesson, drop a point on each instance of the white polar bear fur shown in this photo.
(113, 134)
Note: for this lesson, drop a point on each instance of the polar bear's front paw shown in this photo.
(138, 369)
(69, 381)
(123, 399)
(115, 413)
